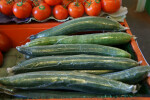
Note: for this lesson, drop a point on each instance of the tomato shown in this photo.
(111, 6)
(22, 10)
(92, 7)
(6, 7)
(76, 9)
(53, 2)
(60, 12)
(37, 2)
(67, 2)
(81, 1)
(1, 59)
(29, 1)
(41, 12)
(5, 43)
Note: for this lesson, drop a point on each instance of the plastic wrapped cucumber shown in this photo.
(80, 25)
(95, 72)
(132, 75)
(110, 38)
(72, 49)
(67, 80)
(73, 62)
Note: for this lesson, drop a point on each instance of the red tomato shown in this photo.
(41, 12)
(29, 1)
(76, 9)
(67, 2)
(1, 59)
(37, 2)
(60, 12)
(111, 6)
(22, 10)
(53, 2)
(6, 8)
(81, 1)
(92, 8)
(5, 43)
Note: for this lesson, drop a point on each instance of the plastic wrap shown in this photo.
(73, 49)
(110, 38)
(69, 81)
(132, 75)
(73, 62)
(95, 72)
(82, 24)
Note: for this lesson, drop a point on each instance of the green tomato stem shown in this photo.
(9, 1)
(89, 3)
(65, 6)
(20, 3)
(41, 7)
(97, 1)
(77, 3)
(35, 3)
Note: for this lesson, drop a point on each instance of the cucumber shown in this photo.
(73, 49)
(73, 62)
(110, 38)
(95, 72)
(80, 25)
(132, 75)
(67, 80)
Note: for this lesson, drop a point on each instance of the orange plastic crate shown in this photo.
(19, 35)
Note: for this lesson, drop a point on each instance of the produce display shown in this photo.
(61, 8)
(90, 63)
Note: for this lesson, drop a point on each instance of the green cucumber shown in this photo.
(110, 38)
(73, 62)
(80, 25)
(73, 49)
(95, 72)
(132, 75)
(67, 80)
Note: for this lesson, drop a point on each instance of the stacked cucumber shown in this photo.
(86, 63)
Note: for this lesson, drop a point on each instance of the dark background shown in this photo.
(139, 24)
